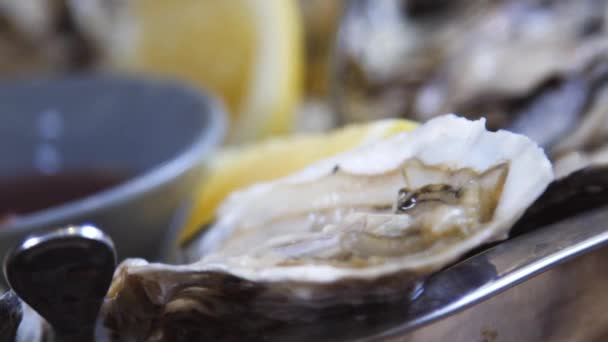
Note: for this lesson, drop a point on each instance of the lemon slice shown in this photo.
(248, 52)
(236, 167)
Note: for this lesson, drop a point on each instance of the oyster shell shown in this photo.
(579, 192)
(44, 37)
(360, 227)
(535, 67)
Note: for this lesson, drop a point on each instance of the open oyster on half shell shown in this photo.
(366, 225)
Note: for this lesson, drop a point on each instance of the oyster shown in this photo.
(361, 227)
(578, 192)
(44, 37)
(538, 68)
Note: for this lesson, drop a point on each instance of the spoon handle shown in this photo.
(64, 276)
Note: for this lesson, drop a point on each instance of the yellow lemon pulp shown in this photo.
(248, 52)
(237, 167)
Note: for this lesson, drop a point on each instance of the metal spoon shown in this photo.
(64, 276)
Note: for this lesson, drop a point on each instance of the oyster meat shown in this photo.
(364, 226)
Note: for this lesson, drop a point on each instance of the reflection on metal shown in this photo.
(501, 294)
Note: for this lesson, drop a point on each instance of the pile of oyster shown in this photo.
(534, 67)
(364, 226)
(59, 36)
(43, 37)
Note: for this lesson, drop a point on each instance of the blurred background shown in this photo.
(268, 61)
(532, 66)
(311, 64)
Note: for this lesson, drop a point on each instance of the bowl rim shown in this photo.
(162, 173)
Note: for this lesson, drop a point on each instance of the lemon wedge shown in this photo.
(248, 52)
(237, 167)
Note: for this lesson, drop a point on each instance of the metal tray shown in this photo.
(548, 285)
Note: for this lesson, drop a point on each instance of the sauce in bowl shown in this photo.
(31, 193)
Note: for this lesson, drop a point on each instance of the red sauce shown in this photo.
(27, 194)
